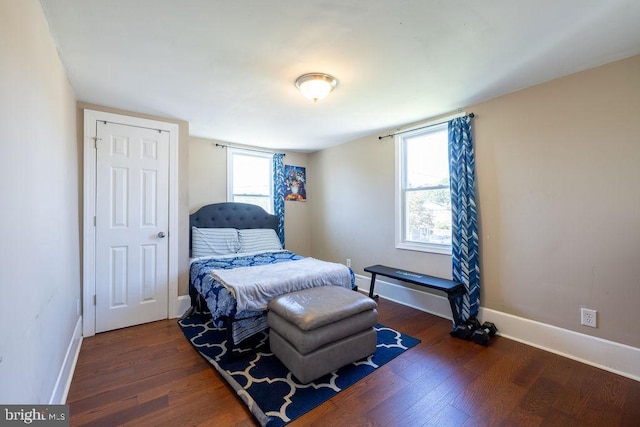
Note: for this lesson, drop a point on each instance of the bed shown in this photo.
(223, 270)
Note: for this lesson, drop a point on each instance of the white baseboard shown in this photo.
(611, 356)
(183, 304)
(61, 389)
(434, 304)
(63, 382)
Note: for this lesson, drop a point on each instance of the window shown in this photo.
(423, 197)
(250, 178)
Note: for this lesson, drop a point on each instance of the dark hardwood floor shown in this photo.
(149, 375)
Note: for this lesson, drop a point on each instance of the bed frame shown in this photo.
(231, 215)
(226, 215)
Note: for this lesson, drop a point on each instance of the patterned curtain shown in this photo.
(278, 192)
(464, 229)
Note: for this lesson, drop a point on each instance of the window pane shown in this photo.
(423, 196)
(428, 216)
(251, 175)
(427, 159)
(263, 202)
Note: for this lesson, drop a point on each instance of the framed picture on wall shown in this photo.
(295, 178)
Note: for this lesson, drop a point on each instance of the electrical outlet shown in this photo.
(348, 262)
(588, 317)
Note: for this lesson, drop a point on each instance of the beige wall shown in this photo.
(208, 184)
(558, 167)
(39, 219)
(352, 212)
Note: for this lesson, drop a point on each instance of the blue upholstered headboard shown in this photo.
(231, 215)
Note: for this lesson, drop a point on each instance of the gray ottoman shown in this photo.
(316, 331)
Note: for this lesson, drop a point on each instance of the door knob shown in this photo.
(161, 234)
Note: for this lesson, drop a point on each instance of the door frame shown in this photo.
(89, 210)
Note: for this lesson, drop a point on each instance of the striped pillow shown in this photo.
(214, 241)
(259, 239)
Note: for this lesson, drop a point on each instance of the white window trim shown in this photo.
(400, 217)
(230, 152)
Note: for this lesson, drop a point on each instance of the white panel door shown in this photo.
(132, 219)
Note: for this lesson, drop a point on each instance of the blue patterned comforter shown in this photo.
(219, 299)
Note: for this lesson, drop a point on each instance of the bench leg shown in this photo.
(372, 285)
(453, 298)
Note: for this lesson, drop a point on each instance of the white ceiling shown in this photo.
(228, 67)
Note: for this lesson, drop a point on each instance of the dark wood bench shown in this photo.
(454, 290)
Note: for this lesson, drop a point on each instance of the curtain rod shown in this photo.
(133, 126)
(247, 149)
(423, 127)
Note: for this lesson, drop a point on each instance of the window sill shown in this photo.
(425, 247)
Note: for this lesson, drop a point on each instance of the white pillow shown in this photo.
(214, 241)
(259, 239)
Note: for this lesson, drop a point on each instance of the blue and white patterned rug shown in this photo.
(265, 385)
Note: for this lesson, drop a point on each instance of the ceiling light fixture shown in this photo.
(316, 86)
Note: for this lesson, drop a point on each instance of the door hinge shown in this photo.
(94, 220)
(95, 141)
(94, 299)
